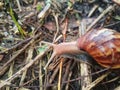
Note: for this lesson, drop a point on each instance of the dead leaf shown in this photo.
(50, 26)
(65, 28)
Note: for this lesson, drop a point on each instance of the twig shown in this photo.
(60, 73)
(58, 38)
(35, 2)
(40, 75)
(57, 26)
(112, 80)
(23, 69)
(116, 1)
(28, 59)
(19, 7)
(64, 82)
(100, 16)
(92, 10)
(67, 70)
(15, 46)
(117, 88)
(28, 82)
(65, 29)
(97, 81)
(21, 50)
(54, 74)
(85, 68)
(70, 74)
(1, 5)
(79, 78)
(42, 14)
(10, 73)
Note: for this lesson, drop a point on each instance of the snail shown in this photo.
(102, 44)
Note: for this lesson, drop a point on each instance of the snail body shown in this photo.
(102, 44)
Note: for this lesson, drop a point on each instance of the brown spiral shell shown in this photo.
(103, 45)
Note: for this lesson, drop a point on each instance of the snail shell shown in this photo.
(103, 45)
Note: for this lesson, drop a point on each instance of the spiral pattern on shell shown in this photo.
(103, 45)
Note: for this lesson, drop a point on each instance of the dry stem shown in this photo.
(23, 69)
(100, 16)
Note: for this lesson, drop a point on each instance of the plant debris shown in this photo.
(28, 29)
